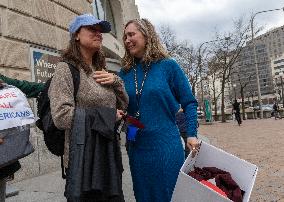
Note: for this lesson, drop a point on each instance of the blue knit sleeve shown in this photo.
(120, 73)
(183, 93)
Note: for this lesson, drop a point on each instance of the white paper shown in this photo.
(14, 108)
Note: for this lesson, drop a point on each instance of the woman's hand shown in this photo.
(193, 144)
(1, 140)
(119, 114)
(1, 84)
(104, 78)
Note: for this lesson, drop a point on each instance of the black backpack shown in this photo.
(53, 137)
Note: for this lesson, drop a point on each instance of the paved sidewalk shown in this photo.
(260, 142)
(50, 187)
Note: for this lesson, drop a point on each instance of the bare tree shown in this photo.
(183, 52)
(168, 38)
(186, 57)
(227, 52)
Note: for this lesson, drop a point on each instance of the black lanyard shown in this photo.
(138, 92)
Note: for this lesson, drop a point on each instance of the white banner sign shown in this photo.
(14, 108)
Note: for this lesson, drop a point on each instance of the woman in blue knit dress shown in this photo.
(156, 86)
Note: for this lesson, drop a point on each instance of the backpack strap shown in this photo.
(76, 78)
(63, 172)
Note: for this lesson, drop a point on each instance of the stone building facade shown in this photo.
(29, 27)
(245, 71)
(278, 72)
(269, 48)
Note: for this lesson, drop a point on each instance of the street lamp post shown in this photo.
(255, 60)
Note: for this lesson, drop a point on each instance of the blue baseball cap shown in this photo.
(86, 20)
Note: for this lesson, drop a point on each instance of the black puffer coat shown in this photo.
(95, 162)
(9, 169)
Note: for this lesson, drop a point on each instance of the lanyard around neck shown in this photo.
(138, 91)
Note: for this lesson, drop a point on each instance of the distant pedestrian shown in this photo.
(237, 112)
(276, 110)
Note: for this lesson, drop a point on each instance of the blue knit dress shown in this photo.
(157, 155)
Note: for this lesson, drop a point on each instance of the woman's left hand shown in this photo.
(1, 84)
(104, 78)
(193, 144)
(119, 114)
(1, 140)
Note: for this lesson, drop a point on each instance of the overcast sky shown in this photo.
(196, 20)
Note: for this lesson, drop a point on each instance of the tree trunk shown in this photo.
(215, 100)
(223, 101)
(215, 106)
(243, 102)
(193, 88)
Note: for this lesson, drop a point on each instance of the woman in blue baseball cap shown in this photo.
(97, 88)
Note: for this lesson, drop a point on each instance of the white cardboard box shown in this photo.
(188, 189)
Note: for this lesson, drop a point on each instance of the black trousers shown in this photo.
(238, 117)
(94, 196)
(2, 190)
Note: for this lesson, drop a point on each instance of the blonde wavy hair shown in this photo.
(154, 50)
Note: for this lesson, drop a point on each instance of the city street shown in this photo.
(259, 142)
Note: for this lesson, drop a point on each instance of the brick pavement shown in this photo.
(260, 142)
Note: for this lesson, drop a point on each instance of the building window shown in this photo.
(109, 17)
(102, 10)
(98, 9)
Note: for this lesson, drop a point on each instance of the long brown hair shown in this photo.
(73, 54)
(154, 49)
